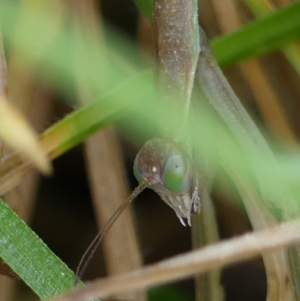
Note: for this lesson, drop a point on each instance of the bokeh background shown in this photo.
(60, 208)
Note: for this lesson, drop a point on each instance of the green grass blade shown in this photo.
(30, 258)
(77, 126)
(146, 7)
(133, 94)
(260, 37)
(261, 9)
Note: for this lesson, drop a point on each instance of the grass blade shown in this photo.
(214, 256)
(30, 258)
(77, 126)
(260, 37)
(17, 133)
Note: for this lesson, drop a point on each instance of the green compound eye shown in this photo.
(176, 176)
(136, 171)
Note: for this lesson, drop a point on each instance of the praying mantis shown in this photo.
(174, 179)
(166, 164)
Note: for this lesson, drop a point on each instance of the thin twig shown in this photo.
(214, 256)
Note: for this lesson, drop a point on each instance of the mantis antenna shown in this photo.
(90, 251)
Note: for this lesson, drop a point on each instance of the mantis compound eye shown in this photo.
(176, 175)
(136, 170)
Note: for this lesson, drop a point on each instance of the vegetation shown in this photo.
(67, 50)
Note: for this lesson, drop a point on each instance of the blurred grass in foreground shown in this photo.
(48, 51)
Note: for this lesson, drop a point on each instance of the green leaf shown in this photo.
(260, 37)
(77, 126)
(146, 7)
(30, 258)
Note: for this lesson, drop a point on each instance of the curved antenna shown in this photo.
(90, 251)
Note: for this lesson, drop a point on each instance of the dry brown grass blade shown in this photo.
(107, 178)
(256, 77)
(276, 263)
(3, 77)
(106, 168)
(7, 284)
(214, 256)
(3, 67)
(21, 199)
(17, 133)
(39, 114)
(15, 130)
(277, 270)
(33, 99)
(12, 170)
(267, 100)
(145, 38)
(205, 232)
(13, 167)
